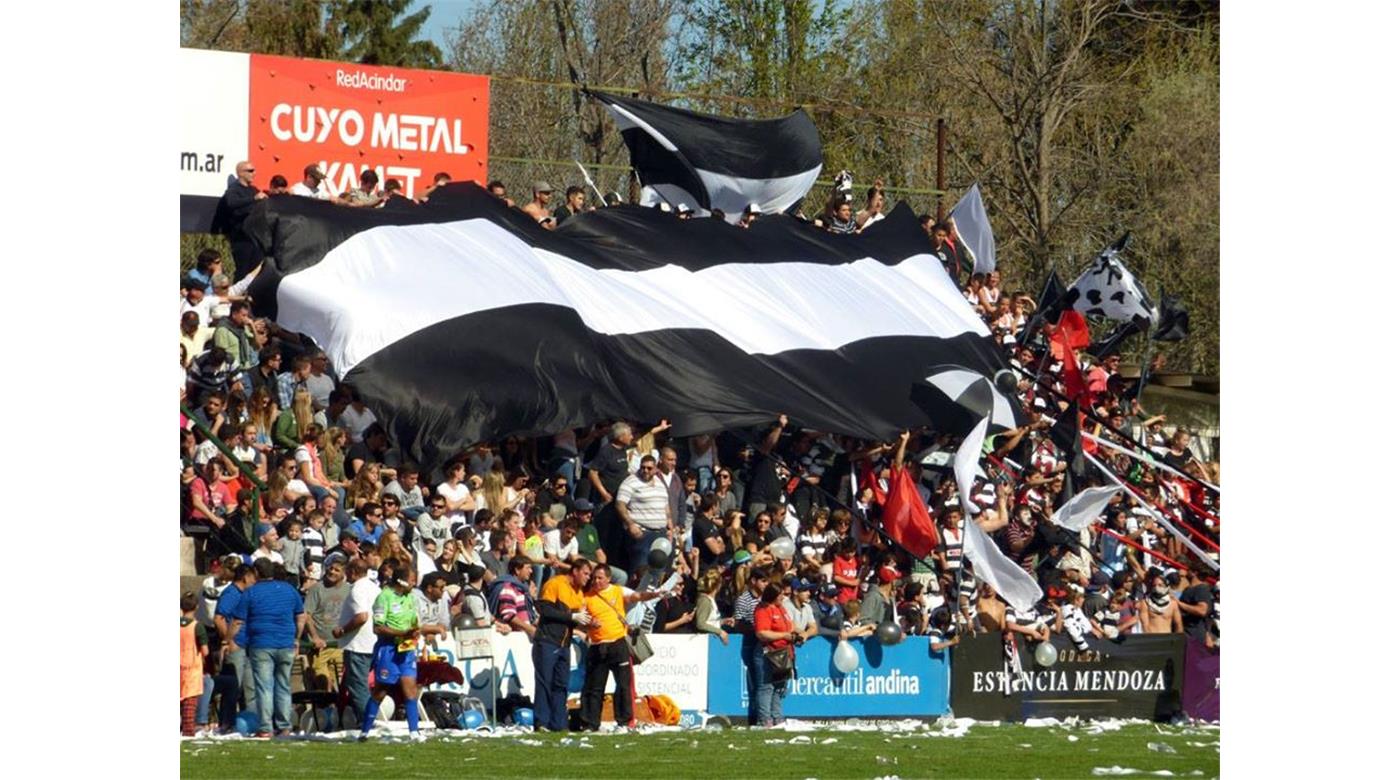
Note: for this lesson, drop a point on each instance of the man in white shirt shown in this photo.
(561, 544)
(319, 383)
(356, 634)
(311, 183)
(644, 505)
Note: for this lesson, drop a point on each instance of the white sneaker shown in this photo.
(417, 736)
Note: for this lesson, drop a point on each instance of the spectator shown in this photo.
(607, 606)
(367, 195)
(498, 191)
(372, 448)
(194, 647)
(356, 417)
(776, 638)
(828, 612)
(707, 612)
(1197, 603)
(842, 222)
(410, 494)
(394, 521)
(289, 381)
(538, 208)
(434, 610)
(878, 604)
(798, 603)
(396, 630)
(470, 606)
(319, 382)
(725, 492)
(874, 210)
(325, 601)
(561, 612)
(509, 599)
(644, 506)
(277, 185)
(356, 634)
(269, 545)
(1158, 612)
(561, 544)
(440, 179)
(574, 198)
(457, 494)
(234, 207)
(273, 613)
(310, 185)
(606, 472)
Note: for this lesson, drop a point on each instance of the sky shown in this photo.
(445, 16)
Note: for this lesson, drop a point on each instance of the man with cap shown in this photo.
(750, 214)
(538, 208)
(799, 608)
(349, 546)
(310, 184)
(878, 604)
(396, 631)
(828, 611)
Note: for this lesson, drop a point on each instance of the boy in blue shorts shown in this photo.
(395, 616)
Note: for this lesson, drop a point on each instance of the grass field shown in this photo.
(908, 752)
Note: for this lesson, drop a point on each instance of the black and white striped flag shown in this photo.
(463, 320)
(715, 162)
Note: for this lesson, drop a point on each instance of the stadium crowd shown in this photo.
(768, 536)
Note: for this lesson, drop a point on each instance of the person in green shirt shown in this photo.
(395, 618)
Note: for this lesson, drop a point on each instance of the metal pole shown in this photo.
(942, 144)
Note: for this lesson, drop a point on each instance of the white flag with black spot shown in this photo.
(1108, 289)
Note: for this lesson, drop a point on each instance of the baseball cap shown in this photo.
(805, 584)
(335, 557)
(542, 186)
(830, 591)
(742, 556)
(313, 170)
(583, 505)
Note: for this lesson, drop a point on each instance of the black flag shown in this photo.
(1113, 341)
(1174, 324)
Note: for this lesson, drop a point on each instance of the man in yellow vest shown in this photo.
(607, 606)
(560, 608)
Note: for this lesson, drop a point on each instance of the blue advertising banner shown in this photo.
(897, 680)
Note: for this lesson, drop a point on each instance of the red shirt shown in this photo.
(848, 568)
(772, 617)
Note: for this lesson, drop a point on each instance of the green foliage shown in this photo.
(367, 31)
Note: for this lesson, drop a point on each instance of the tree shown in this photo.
(373, 37)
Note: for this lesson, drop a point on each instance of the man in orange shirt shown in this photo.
(560, 608)
(607, 606)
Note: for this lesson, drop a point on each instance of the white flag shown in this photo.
(1081, 511)
(1010, 581)
(975, 230)
(1108, 289)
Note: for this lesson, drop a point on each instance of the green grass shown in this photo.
(984, 751)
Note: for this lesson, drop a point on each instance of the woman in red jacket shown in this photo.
(773, 629)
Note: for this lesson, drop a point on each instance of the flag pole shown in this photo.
(589, 181)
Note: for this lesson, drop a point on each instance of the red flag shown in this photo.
(1073, 330)
(906, 516)
(1073, 379)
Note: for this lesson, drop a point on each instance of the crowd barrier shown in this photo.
(1138, 676)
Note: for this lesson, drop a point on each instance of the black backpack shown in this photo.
(444, 707)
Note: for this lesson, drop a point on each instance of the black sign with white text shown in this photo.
(1137, 676)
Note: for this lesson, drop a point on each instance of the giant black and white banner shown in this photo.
(462, 320)
(715, 162)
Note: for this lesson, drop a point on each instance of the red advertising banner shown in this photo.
(404, 124)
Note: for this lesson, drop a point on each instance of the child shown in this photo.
(293, 554)
(194, 646)
(942, 634)
(852, 628)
